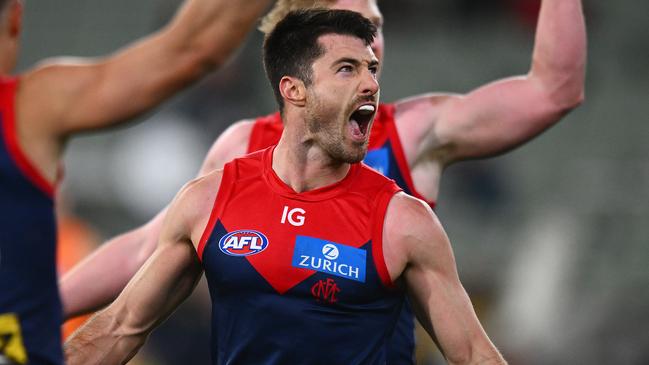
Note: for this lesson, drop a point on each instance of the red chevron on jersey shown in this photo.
(265, 234)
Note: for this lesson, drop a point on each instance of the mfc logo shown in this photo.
(243, 243)
(325, 291)
(329, 258)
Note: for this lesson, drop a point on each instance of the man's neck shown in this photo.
(302, 165)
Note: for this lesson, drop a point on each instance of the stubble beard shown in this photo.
(328, 135)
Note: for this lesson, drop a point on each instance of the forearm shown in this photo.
(114, 335)
(98, 280)
(102, 342)
(559, 57)
(212, 29)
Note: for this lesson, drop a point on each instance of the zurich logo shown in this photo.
(244, 242)
(330, 251)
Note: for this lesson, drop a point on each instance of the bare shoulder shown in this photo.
(406, 208)
(416, 118)
(422, 106)
(191, 208)
(411, 232)
(232, 143)
(38, 84)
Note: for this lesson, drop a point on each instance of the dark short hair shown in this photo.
(291, 48)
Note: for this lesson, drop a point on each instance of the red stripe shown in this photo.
(28, 169)
(222, 195)
(377, 236)
(400, 156)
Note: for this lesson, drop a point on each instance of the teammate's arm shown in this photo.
(88, 94)
(232, 143)
(99, 278)
(114, 335)
(504, 114)
(424, 258)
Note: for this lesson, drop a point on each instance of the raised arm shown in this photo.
(114, 335)
(80, 95)
(422, 254)
(98, 279)
(506, 113)
(232, 143)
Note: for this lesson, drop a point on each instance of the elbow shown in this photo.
(571, 99)
(564, 90)
(476, 353)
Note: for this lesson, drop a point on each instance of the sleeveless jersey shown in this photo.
(385, 154)
(30, 308)
(298, 278)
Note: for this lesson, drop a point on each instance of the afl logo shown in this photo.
(243, 243)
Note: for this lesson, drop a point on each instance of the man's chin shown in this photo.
(357, 155)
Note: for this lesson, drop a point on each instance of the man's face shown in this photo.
(342, 97)
(370, 10)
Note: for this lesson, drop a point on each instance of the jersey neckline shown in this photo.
(319, 194)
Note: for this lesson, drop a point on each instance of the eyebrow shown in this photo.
(377, 21)
(355, 62)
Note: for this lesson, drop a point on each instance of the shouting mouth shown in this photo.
(360, 120)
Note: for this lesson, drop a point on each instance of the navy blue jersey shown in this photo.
(385, 155)
(30, 308)
(299, 278)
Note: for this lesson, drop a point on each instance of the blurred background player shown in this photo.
(41, 108)
(413, 139)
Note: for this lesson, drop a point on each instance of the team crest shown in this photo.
(244, 242)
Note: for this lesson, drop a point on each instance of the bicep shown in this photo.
(498, 116)
(489, 120)
(443, 307)
(85, 94)
(440, 301)
(173, 270)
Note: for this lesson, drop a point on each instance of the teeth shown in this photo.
(366, 109)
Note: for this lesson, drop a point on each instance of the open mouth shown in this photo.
(360, 120)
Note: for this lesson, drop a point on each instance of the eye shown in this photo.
(346, 68)
(374, 70)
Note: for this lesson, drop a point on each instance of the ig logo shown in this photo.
(330, 251)
(295, 216)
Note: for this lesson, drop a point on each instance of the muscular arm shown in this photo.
(99, 278)
(95, 93)
(114, 335)
(506, 113)
(421, 254)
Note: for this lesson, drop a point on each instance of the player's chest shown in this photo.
(273, 243)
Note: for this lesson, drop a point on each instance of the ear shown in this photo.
(293, 90)
(15, 18)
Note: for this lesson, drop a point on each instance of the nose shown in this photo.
(370, 85)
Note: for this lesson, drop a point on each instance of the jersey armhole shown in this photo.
(377, 235)
(400, 156)
(24, 164)
(220, 201)
(255, 137)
